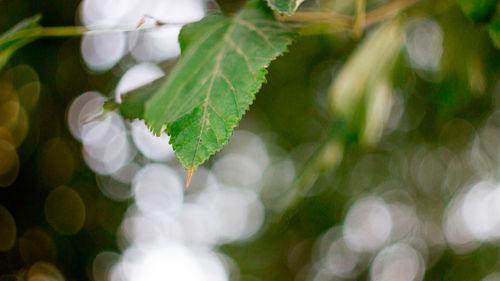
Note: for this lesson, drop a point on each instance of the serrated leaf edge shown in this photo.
(261, 79)
(291, 9)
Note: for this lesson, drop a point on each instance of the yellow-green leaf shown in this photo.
(19, 35)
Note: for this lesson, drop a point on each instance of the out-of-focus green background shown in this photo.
(372, 158)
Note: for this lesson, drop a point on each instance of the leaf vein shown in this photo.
(207, 99)
(254, 28)
(233, 91)
(201, 65)
(241, 53)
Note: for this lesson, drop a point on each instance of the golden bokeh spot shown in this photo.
(21, 75)
(56, 163)
(36, 245)
(9, 163)
(20, 128)
(6, 135)
(65, 210)
(7, 155)
(6, 91)
(44, 271)
(29, 94)
(7, 229)
(39, 277)
(14, 121)
(8, 113)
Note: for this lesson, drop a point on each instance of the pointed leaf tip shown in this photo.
(190, 174)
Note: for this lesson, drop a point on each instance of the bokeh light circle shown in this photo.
(368, 224)
(65, 210)
(8, 229)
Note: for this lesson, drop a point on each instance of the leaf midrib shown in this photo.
(216, 73)
(206, 102)
(192, 50)
(195, 48)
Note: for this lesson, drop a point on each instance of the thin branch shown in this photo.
(65, 31)
(68, 31)
(374, 16)
(359, 21)
(388, 10)
(319, 17)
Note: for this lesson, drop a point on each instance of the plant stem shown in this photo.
(388, 10)
(68, 31)
(65, 31)
(62, 31)
(370, 18)
(359, 21)
(319, 17)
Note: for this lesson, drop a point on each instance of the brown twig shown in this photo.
(345, 21)
(319, 17)
(359, 21)
(388, 10)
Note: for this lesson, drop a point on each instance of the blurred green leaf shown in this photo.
(361, 92)
(223, 65)
(133, 102)
(478, 10)
(494, 30)
(19, 35)
(285, 6)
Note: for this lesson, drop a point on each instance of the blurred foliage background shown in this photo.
(371, 158)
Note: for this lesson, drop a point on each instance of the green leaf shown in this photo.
(222, 67)
(361, 93)
(494, 30)
(19, 35)
(285, 6)
(478, 10)
(132, 105)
